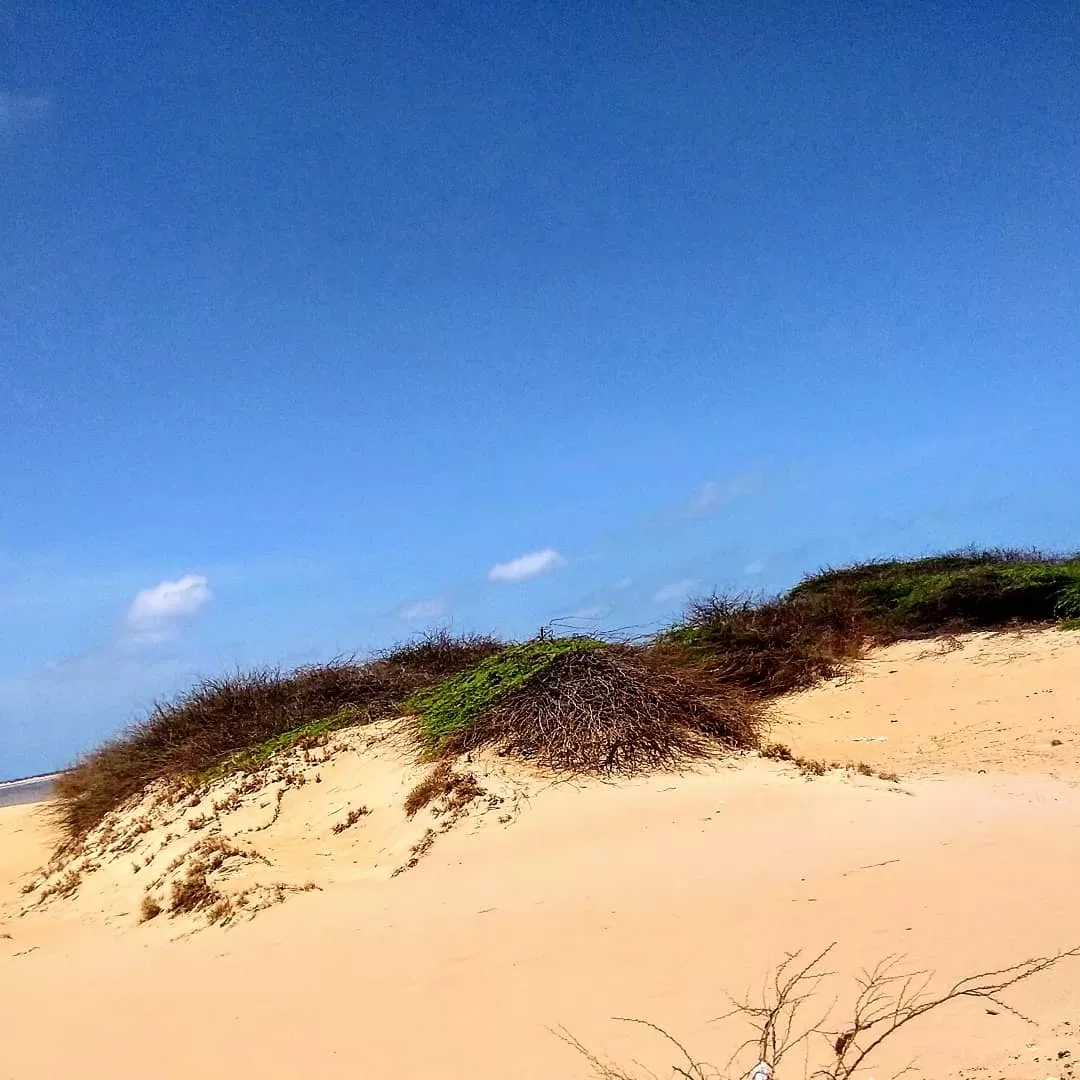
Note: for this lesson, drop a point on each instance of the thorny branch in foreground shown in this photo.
(887, 1000)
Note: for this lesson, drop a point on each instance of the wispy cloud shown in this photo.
(593, 611)
(19, 109)
(160, 612)
(426, 609)
(530, 565)
(755, 567)
(677, 590)
(717, 493)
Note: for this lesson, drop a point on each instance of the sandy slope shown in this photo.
(1000, 702)
(648, 898)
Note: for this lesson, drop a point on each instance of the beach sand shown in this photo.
(567, 904)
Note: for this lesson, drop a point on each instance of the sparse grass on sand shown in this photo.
(240, 720)
(578, 703)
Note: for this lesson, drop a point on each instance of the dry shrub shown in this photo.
(777, 752)
(353, 817)
(437, 655)
(149, 909)
(192, 892)
(64, 886)
(788, 1020)
(442, 782)
(768, 647)
(220, 716)
(431, 787)
(605, 710)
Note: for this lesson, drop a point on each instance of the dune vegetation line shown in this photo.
(579, 703)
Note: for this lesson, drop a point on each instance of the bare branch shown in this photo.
(888, 999)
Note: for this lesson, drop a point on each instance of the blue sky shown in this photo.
(323, 323)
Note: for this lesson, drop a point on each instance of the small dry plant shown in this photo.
(455, 789)
(887, 1000)
(353, 817)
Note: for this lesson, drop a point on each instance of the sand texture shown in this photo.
(455, 943)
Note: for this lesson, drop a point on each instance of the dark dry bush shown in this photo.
(149, 909)
(192, 892)
(607, 710)
(777, 752)
(768, 647)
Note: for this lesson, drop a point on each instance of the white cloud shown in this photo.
(713, 495)
(530, 565)
(756, 567)
(425, 609)
(18, 109)
(677, 590)
(160, 612)
(623, 583)
(706, 498)
(595, 611)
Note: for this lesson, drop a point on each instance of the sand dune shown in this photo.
(550, 904)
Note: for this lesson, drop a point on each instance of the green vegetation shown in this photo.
(447, 708)
(777, 645)
(253, 757)
(947, 593)
(1067, 604)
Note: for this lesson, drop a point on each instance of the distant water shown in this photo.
(26, 791)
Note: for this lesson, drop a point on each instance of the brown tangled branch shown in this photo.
(888, 1000)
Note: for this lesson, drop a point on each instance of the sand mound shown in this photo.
(1005, 702)
(307, 818)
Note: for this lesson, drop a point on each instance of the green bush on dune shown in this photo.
(963, 591)
(1067, 607)
(777, 645)
(445, 709)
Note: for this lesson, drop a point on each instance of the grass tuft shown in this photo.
(351, 819)
(149, 908)
(455, 789)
